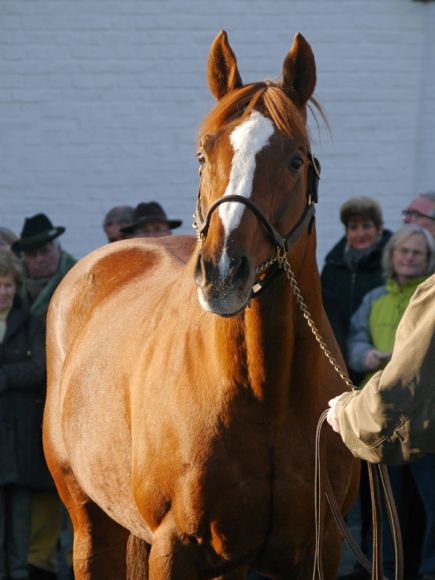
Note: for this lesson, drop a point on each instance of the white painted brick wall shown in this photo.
(100, 101)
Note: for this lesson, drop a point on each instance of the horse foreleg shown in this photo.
(137, 558)
(171, 557)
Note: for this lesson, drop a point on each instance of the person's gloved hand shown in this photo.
(375, 359)
(330, 417)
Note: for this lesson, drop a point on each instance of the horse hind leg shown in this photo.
(100, 544)
(137, 558)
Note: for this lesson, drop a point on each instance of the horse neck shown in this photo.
(262, 346)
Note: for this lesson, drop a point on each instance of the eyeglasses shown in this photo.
(416, 215)
(405, 251)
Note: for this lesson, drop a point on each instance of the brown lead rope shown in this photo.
(335, 509)
(375, 494)
(378, 475)
(393, 520)
(382, 487)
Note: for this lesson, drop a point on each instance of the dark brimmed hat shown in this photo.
(146, 213)
(37, 231)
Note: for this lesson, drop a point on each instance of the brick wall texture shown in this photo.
(100, 101)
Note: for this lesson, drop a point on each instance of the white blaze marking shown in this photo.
(247, 140)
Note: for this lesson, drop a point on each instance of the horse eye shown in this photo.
(296, 162)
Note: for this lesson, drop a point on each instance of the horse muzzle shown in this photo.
(224, 287)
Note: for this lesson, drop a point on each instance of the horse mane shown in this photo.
(268, 98)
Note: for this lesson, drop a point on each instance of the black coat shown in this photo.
(22, 395)
(344, 288)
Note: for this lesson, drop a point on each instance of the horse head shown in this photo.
(255, 164)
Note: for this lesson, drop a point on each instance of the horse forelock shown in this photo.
(266, 97)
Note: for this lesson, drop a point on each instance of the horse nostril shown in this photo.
(204, 271)
(234, 264)
(207, 272)
(239, 269)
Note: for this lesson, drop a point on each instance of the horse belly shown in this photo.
(98, 442)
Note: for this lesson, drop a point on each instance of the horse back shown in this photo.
(105, 272)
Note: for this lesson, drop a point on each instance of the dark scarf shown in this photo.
(352, 257)
(40, 290)
(34, 287)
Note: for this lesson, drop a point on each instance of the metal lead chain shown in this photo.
(265, 265)
(285, 265)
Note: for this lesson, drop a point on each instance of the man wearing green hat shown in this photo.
(45, 264)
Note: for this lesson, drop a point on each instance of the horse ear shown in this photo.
(299, 71)
(223, 74)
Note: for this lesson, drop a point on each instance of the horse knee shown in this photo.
(172, 559)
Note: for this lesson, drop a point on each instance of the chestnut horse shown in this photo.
(184, 383)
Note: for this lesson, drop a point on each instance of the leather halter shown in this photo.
(280, 242)
(202, 224)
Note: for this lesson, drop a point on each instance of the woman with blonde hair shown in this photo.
(407, 261)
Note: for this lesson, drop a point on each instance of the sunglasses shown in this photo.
(415, 214)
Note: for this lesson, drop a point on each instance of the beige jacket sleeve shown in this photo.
(392, 419)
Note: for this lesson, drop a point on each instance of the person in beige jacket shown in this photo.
(392, 420)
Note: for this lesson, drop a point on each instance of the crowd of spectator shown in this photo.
(368, 279)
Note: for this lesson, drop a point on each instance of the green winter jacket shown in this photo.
(375, 322)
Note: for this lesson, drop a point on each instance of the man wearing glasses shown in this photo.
(421, 211)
